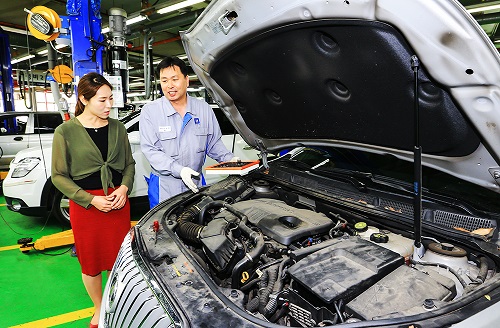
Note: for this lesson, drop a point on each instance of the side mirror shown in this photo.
(134, 138)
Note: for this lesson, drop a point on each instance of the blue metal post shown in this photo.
(86, 37)
(6, 84)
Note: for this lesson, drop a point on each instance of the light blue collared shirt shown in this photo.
(171, 142)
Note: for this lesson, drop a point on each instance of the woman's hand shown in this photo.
(118, 197)
(102, 203)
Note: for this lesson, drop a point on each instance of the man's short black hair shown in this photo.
(171, 62)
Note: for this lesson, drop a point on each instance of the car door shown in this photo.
(42, 127)
(142, 167)
(12, 136)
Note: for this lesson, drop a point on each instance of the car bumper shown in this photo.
(18, 205)
(24, 194)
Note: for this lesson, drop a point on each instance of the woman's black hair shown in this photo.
(87, 87)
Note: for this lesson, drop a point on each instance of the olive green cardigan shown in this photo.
(75, 156)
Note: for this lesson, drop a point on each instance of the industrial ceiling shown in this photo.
(163, 28)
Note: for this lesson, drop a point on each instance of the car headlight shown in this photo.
(25, 166)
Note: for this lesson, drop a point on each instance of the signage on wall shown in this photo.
(32, 77)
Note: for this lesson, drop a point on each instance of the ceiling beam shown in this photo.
(164, 24)
(157, 43)
(21, 41)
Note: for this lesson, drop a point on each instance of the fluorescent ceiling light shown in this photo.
(136, 84)
(182, 57)
(134, 20)
(178, 6)
(129, 21)
(483, 8)
(45, 51)
(136, 94)
(39, 62)
(20, 59)
(15, 30)
(195, 89)
(164, 10)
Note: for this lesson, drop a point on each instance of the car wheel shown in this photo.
(60, 208)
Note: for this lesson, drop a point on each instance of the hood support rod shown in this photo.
(418, 251)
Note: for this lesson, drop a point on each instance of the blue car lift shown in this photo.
(6, 83)
(87, 41)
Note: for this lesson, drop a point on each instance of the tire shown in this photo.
(60, 208)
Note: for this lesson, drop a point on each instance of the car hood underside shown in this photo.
(343, 73)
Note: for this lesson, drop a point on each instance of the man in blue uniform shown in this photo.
(177, 131)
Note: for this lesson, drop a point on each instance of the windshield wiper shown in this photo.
(392, 185)
(346, 177)
(342, 176)
(354, 177)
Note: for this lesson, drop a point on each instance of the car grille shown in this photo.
(469, 223)
(128, 300)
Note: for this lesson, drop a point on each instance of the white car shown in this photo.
(22, 130)
(386, 211)
(28, 188)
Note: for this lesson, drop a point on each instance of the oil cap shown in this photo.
(378, 237)
(429, 304)
(361, 226)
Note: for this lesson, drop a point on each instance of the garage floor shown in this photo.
(39, 289)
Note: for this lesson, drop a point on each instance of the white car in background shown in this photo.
(22, 130)
(28, 188)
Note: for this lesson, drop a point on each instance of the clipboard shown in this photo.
(232, 168)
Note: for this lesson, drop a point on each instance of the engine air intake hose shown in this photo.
(186, 228)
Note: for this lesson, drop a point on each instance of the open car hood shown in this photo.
(339, 73)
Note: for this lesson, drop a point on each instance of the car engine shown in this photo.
(299, 261)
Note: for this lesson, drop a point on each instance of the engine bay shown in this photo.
(299, 261)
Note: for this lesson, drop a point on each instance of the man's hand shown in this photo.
(235, 159)
(186, 174)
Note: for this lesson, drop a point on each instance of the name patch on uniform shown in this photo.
(196, 120)
(165, 128)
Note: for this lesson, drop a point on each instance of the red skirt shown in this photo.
(98, 235)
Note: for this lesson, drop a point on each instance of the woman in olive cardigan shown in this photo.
(92, 165)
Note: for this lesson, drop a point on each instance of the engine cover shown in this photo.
(343, 269)
(281, 222)
(401, 293)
